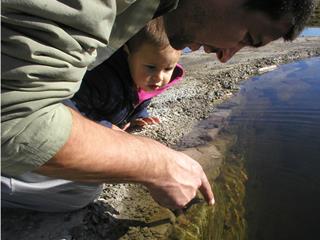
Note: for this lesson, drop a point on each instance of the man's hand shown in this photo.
(181, 178)
(178, 184)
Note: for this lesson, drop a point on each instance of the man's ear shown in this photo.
(126, 49)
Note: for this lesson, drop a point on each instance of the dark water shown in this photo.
(276, 124)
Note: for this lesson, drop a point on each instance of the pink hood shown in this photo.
(176, 77)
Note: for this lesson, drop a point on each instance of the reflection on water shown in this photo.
(276, 121)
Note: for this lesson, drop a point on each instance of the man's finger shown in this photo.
(206, 191)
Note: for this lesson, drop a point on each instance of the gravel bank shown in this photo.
(126, 211)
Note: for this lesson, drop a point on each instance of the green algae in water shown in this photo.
(269, 182)
(225, 218)
(228, 221)
(277, 124)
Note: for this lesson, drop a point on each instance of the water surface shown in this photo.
(276, 123)
(311, 32)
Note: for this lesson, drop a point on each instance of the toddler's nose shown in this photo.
(158, 77)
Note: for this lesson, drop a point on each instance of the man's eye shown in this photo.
(247, 40)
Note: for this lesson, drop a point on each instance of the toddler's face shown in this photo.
(151, 68)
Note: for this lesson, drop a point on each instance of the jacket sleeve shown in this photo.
(72, 104)
(46, 48)
(141, 111)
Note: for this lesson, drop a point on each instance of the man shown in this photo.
(46, 48)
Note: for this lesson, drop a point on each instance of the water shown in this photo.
(311, 32)
(276, 121)
(187, 50)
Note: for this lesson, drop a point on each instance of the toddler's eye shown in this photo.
(150, 67)
(168, 69)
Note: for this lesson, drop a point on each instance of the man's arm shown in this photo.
(46, 47)
(94, 153)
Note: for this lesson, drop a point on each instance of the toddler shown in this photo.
(117, 92)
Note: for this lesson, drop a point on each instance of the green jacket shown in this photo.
(46, 47)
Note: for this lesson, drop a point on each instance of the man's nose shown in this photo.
(227, 53)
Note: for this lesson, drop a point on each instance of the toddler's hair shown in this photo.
(153, 33)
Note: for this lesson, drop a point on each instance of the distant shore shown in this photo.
(315, 19)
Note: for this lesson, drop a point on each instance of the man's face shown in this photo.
(220, 26)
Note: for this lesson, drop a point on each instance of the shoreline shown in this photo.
(208, 82)
(126, 211)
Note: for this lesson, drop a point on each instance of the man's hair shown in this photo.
(299, 10)
(153, 33)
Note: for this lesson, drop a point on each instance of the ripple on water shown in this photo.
(277, 124)
(269, 184)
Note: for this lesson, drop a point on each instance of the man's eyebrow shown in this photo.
(253, 43)
(257, 42)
